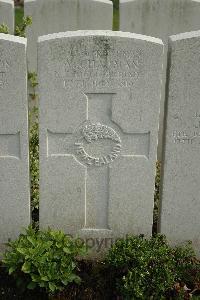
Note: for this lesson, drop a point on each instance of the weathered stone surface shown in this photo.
(7, 14)
(14, 157)
(99, 110)
(160, 18)
(50, 16)
(181, 182)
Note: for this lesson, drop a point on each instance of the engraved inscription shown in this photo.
(101, 82)
(90, 133)
(103, 67)
(4, 65)
(184, 137)
(2, 79)
(188, 136)
(197, 120)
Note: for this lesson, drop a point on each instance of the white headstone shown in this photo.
(14, 154)
(51, 16)
(99, 112)
(7, 14)
(160, 18)
(180, 210)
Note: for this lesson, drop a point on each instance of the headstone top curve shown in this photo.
(185, 35)
(101, 1)
(27, 1)
(125, 1)
(8, 1)
(12, 38)
(104, 1)
(106, 33)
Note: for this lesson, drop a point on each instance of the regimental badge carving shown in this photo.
(91, 133)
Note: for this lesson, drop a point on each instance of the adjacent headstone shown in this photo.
(160, 18)
(99, 111)
(181, 178)
(7, 14)
(50, 16)
(14, 150)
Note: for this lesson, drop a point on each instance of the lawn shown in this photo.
(116, 19)
(19, 13)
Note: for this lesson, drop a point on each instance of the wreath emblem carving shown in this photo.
(92, 132)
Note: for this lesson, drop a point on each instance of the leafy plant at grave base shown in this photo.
(187, 268)
(34, 160)
(32, 78)
(156, 196)
(45, 259)
(151, 269)
(20, 30)
(4, 29)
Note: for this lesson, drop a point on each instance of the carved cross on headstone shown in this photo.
(97, 144)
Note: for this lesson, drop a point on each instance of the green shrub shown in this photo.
(45, 259)
(34, 143)
(156, 196)
(149, 268)
(34, 161)
(4, 29)
(20, 30)
(33, 83)
(19, 14)
(187, 265)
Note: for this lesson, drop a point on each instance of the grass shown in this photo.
(116, 19)
(19, 13)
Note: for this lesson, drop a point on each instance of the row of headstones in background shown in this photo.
(99, 112)
(7, 14)
(160, 18)
(51, 16)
